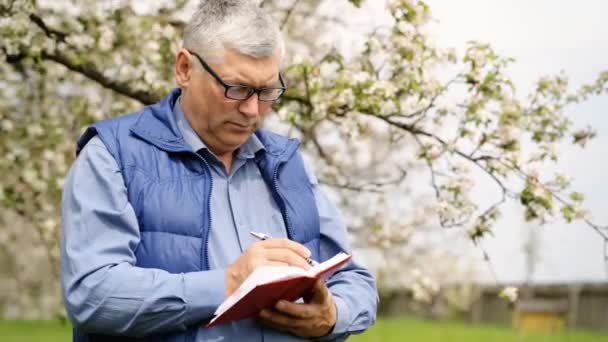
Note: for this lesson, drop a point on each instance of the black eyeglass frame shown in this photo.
(252, 90)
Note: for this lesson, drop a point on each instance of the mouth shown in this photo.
(240, 127)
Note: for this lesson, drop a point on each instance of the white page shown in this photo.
(329, 263)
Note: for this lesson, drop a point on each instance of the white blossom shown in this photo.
(478, 57)
(168, 32)
(80, 41)
(461, 183)
(49, 225)
(60, 182)
(30, 175)
(386, 88)
(510, 293)
(47, 155)
(404, 27)
(297, 59)
(106, 38)
(507, 133)
(582, 214)
(328, 71)
(539, 191)
(7, 125)
(552, 149)
(563, 180)
(346, 97)
(35, 130)
(388, 107)
(359, 77)
(433, 152)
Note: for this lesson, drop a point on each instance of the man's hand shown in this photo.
(313, 319)
(273, 252)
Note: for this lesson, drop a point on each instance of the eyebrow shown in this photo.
(238, 80)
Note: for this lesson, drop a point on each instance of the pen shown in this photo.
(262, 236)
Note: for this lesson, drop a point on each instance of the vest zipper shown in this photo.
(209, 219)
(275, 179)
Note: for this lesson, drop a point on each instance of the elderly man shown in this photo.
(159, 205)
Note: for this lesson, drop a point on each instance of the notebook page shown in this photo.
(327, 264)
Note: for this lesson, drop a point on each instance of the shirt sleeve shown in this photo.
(104, 292)
(353, 287)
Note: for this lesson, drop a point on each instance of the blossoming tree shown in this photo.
(366, 122)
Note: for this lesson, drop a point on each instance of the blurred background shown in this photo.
(462, 140)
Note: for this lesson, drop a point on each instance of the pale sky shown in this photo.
(545, 37)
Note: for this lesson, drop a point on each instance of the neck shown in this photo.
(225, 156)
(226, 159)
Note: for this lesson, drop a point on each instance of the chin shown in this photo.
(237, 140)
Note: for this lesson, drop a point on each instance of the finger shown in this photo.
(272, 325)
(287, 244)
(284, 322)
(295, 309)
(278, 327)
(265, 262)
(285, 256)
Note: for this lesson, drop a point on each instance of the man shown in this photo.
(159, 205)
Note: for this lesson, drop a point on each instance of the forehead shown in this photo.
(247, 69)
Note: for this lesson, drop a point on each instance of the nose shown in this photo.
(250, 107)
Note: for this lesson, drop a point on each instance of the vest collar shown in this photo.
(157, 125)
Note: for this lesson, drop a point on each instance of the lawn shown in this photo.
(411, 329)
(30, 331)
(402, 329)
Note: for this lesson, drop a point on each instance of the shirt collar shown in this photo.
(245, 151)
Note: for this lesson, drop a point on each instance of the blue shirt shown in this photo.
(100, 232)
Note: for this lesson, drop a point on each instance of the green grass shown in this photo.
(412, 329)
(34, 331)
(385, 330)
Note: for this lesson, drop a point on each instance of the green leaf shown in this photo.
(568, 213)
(357, 3)
(577, 196)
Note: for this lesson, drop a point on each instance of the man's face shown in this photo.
(222, 123)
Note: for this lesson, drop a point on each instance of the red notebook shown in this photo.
(269, 284)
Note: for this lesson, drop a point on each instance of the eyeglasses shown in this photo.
(243, 92)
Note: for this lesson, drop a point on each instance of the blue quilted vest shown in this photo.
(169, 187)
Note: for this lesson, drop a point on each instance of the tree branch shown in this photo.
(310, 135)
(92, 72)
(600, 230)
(296, 98)
(373, 187)
(178, 24)
(426, 108)
(87, 69)
(14, 59)
(49, 32)
(288, 14)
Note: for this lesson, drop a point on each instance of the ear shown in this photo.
(183, 68)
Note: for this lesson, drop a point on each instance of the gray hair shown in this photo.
(240, 25)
